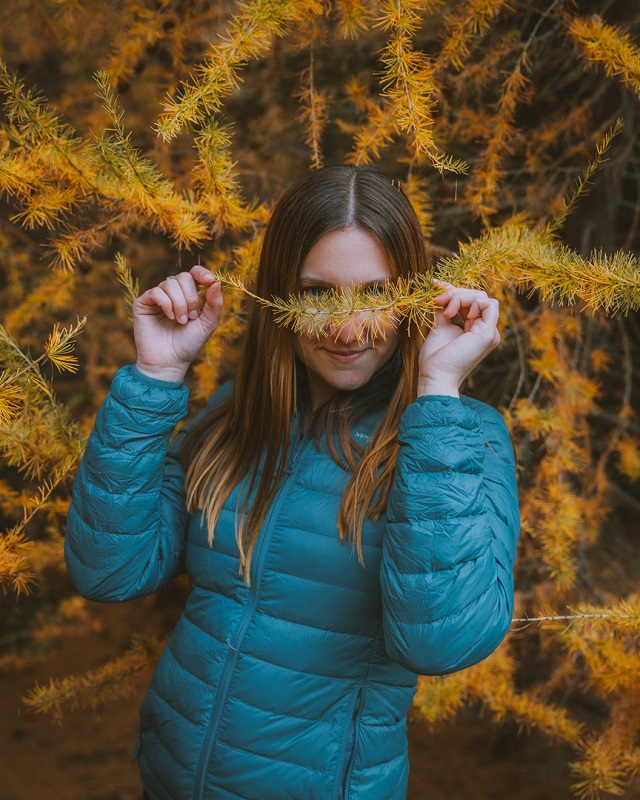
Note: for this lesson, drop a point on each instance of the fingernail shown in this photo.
(182, 319)
(193, 314)
(209, 275)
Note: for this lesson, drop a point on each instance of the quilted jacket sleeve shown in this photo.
(127, 521)
(453, 524)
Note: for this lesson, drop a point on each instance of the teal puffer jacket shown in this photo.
(297, 687)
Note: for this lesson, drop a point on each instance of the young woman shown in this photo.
(346, 519)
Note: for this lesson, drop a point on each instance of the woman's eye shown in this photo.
(321, 292)
(315, 291)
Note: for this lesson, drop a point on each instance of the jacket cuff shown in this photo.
(139, 392)
(140, 376)
(433, 410)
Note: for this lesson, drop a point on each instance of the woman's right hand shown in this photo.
(170, 327)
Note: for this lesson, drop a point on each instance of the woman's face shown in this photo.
(344, 358)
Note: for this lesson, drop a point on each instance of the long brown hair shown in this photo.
(243, 441)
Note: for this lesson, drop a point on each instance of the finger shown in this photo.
(473, 304)
(173, 287)
(474, 310)
(469, 296)
(452, 307)
(190, 290)
(491, 313)
(468, 299)
(202, 274)
(153, 301)
(213, 302)
(441, 322)
(444, 284)
(464, 296)
(443, 299)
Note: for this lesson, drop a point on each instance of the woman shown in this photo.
(347, 521)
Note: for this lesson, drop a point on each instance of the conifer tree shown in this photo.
(139, 138)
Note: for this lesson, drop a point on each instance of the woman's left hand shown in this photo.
(450, 353)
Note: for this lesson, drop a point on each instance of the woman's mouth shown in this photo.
(344, 356)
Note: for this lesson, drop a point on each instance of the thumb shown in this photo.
(213, 302)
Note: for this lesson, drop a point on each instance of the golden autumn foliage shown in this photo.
(139, 138)
(116, 679)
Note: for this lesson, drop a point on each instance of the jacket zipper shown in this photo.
(234, 644)
(345, 765)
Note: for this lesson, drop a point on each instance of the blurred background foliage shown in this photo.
(139, 138)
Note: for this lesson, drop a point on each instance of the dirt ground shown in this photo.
(88, 756)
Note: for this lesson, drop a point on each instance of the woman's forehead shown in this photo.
(349, 256)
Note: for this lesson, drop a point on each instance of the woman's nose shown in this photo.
(350, 330)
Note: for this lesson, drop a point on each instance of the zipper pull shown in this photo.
(295, 458)
(291, 466)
